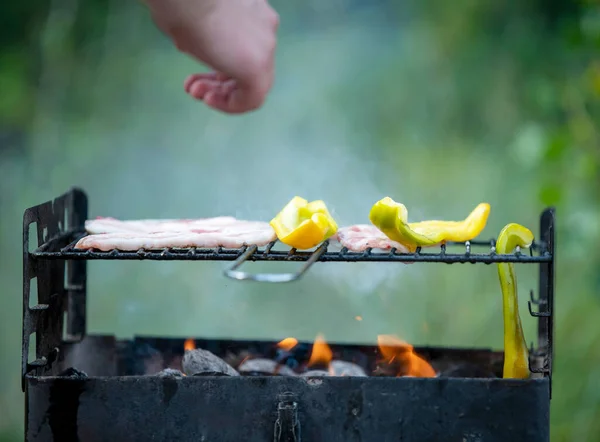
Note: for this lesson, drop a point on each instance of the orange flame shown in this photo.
(287, 344)
(321, 352)
(396, 351)
(189, 344)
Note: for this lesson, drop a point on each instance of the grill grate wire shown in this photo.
(485, 252)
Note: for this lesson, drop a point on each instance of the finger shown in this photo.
(274, 18)
(227, 87)
(251, 93)
(221, 99)
(200, 87)
(244, 100)
(216, 101)
(215, 76)
(191, 79)
(250, 96)
(269, 14)
(225, 96)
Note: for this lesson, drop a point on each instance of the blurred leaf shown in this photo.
(544, 92)
(557, 146)
(594, 78)
(550, 195)
(590, 23)
(15, 96)
(572, 35)
(587, 168)
(528, 147)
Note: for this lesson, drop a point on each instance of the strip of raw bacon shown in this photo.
(112, 225)
(360, 237)
(234, 236)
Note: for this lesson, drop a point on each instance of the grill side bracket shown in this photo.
(546, 290)
(57, 300)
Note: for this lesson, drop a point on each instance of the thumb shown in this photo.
(244, 99)
(251, 95)
(237, 99)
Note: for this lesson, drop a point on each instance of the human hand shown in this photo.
(236, 38)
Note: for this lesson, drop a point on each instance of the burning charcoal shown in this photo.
(343, 368)
(315, 373)
(144, 359)
(202, 362)
(400, 359)
(170, 373)
(287, 343)
(236, 359)
(384, 370)
(320, 358)
(467, 371)
(261, 366)
(288, 359)
(73, 373)
(292, 355)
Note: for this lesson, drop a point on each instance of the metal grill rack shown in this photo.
(60, 224)
(469, 252)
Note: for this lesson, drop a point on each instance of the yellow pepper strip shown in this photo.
(392, 219)
(516, 355)
(304, 225)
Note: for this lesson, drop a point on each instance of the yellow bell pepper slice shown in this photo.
(392, 219)
(516, 355)
(304, 225)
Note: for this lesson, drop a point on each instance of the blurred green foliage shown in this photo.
(457, 101)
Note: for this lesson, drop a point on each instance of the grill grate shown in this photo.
(485, 252)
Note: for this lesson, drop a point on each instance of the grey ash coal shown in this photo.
(289, 357)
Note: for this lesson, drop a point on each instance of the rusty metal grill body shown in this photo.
(113, 406)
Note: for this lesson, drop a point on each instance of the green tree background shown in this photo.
(440, 105)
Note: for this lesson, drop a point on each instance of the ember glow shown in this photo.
(402, 357)
(287, 344)
(189, 345)
(321, 354)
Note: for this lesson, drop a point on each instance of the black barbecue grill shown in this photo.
(98, 388)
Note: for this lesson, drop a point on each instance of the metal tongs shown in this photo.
(233, 273)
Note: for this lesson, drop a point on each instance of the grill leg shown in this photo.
(546, 291)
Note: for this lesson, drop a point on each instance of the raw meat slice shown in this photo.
(231, 237)
(360, 237)
(112, 225)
